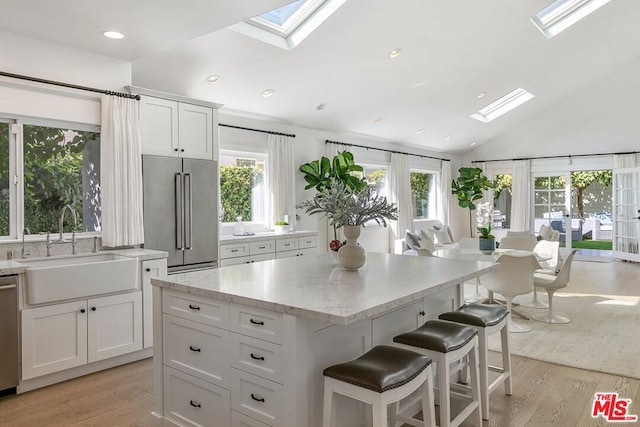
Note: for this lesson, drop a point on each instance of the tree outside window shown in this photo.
(420, 186)
(242, 187)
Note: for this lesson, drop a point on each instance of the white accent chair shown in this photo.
(523, 243)
(518, 233)
(513, 278)
(551, 284)
(550, 250)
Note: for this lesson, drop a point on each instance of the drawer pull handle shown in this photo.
(422, 313)
(257, 399)
(148, 270)
(194, 307)
(253, 356)
(234, 250)
(195, 404)
(287, 244)
(257, 322)
(196, 349)
(261, 247)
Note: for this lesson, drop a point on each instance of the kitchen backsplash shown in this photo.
(38, 248)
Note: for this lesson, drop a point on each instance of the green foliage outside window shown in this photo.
(236, 185)
(420, 194)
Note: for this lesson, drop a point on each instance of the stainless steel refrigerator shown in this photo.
(180, 210)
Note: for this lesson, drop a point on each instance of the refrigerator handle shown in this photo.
(188, 229)
(179, 206)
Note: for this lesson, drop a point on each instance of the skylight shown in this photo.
(503, 105)
(286, 27)
(561, 14)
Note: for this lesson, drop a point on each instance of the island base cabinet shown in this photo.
(256, 397)
(240, 420)
(189, 401)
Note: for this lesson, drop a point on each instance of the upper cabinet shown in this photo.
(178, 129)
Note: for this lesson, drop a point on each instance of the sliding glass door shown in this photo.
(552, 206)
(626, 214)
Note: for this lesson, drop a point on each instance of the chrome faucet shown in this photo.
(23, 253)
(73, 215)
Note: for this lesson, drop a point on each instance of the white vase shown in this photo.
(351, 256)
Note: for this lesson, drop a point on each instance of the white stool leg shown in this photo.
(484, 371)
(475, 385)
(506, 359)
(444, 392)
(329, 409)
(428, 410)
(379, 414)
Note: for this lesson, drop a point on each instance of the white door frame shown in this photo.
(626, 214)
(567, 213)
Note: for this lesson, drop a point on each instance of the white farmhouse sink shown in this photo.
(57, 279)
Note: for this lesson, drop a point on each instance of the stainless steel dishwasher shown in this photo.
(8, 334)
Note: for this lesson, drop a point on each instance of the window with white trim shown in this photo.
(422, 194)
(243, 186)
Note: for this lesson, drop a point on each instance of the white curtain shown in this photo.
(627, 232)
(400, 194)
(521, 196)
(282, 184)
(121, 172)
(443, 192)
(332, 151)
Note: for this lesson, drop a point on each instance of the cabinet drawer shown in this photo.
(232, 251)
(189, 401)
(199, 309)
(257, 323)
(226, 262)
(286, 244)
(286, 254)
(307, 242)
(262, 247)
(256, 397)
(308, 251)
(258, 357)
(241, 420)
(197, 349)
(263, 257)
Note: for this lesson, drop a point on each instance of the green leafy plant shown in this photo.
(282, 223)
(344, 206)
(485, 232)
(469, 187)
(319, 173)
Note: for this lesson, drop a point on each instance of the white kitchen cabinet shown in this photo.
(63, 336)
(248, 250)
(396, 322)
(114, 325)
(150, 268)
(54, 338)
(177, 129)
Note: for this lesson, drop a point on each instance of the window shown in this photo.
(60, 166)
(243, 187)
(376, 177)
(502, 201)
(421, 194)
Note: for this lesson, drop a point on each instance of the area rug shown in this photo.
(603, 303)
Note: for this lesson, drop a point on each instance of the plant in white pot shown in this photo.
(483, 218)
(351, 209)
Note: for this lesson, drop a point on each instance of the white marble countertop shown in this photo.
(227, 238)
(140, 253)
(317, 288)
(11, 266)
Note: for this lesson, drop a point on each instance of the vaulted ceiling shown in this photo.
(451, 52)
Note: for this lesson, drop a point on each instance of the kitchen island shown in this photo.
(246, 345)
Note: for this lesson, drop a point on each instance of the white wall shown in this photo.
(603, 118)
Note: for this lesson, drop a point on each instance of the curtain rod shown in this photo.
(69, 85)
(257, 130)
(555, 157)
(383, 149)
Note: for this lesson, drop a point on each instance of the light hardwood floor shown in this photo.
(545, 394)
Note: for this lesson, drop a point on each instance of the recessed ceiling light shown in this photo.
(473, 143)
(561, 14)
(448, 137)
(213, 79)
(482, 95)
(267, 93)
(420, 131)
(378, 120)
(503, 105)
(395, 53)
(321, 107)
(113, 34)
(419, 84)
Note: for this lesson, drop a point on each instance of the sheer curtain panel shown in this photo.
(281, 171)
(444, 193)
(521, 196)
(121, 172)
(400, 194)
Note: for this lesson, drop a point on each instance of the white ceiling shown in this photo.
(451, 51)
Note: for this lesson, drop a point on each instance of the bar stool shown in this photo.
(487, 319)
(446, 342)
(383, 375)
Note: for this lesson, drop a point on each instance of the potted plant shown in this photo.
(350, 209)
(469, 187)
(320, 174)
(487, 242)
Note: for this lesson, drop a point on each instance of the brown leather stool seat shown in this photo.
(482, 315)
(380, 369)
(438, 335)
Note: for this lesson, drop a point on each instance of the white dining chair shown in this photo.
(550, 253)
(551, 283)
(523, 243)
(513, 278)
(468, 245)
